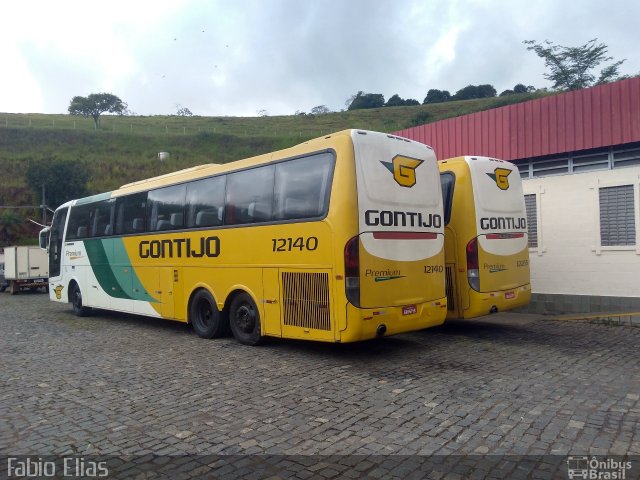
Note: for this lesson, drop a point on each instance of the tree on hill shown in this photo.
(518, 88)
(183, 111)
(437, 96)
(475, 91)
(95, 105)
(320, 110)
(63, 180)
(570, 68)
(397, 101)
(394, 101)
(366, 100)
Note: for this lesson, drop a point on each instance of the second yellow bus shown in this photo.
(487, 256)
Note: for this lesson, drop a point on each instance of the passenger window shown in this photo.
(205, 202)
(103, 218)
(130, 213)
(447, 181)
(80, 221)
(165, 208)
(249, 196)
(302, 187)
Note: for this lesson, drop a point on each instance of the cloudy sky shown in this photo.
(236, 57)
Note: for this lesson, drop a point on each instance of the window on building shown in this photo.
(596, 161)
(550, 167)
(523, 167)
(532, 219)
(617, 216)
(626, 158)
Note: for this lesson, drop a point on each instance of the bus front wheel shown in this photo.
(205, 317)
(76, 302)
(244, 319)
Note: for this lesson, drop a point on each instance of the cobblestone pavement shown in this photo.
(113, 384)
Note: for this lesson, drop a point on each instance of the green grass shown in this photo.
(125, 148)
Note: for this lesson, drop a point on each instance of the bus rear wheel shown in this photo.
(205, 317)
(244, 319)
(76, 302)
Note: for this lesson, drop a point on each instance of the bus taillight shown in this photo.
(352, 271)
(473, 270)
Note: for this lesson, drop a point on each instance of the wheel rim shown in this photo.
(245, 318)
(204, 315)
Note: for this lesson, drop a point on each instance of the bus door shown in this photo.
(55, 242)
(272, 301)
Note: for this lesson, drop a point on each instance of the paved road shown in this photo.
(113, 384)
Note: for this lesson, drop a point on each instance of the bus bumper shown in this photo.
(368, 323)
(485, 303)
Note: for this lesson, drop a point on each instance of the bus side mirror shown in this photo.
(43, 238)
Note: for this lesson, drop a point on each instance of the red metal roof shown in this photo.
(579, 120)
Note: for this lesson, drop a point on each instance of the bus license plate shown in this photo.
(510, 295)
(409, 310)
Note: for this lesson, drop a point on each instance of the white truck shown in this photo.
(26, 267)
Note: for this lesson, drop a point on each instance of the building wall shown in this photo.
(570, 259)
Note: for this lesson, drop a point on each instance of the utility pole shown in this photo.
(44, 207)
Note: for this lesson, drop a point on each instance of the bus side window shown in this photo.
(102, 218)
(205, 202)
(80, 221)
(165, 208)
(249, 196)
(302, 187)
(131, 211)
(447, 181)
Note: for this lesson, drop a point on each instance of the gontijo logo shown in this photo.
(500, 176)
(403, 169)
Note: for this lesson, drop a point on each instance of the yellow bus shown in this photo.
(337, 239)
(487, 256)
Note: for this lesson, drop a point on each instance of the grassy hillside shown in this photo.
(125, 149)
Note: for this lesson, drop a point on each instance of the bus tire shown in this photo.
(75, 296)
(244, 319)
(205, 317)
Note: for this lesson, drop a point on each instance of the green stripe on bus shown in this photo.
(116, 280)
(99, 262)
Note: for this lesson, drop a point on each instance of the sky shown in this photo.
(239, 57)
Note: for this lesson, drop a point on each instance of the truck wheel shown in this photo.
(2, 288)
(244, 319)
(76, 301)
(204, 316)
(13, 287)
